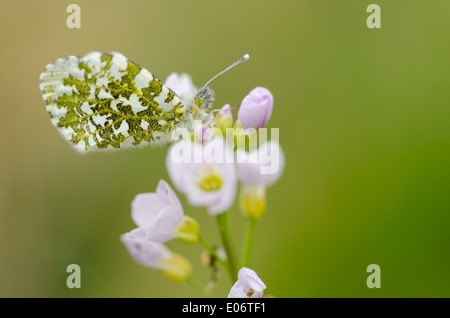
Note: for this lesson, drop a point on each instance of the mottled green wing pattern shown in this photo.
(105, 101)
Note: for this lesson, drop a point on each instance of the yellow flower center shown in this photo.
(250, 293)
(210, 180)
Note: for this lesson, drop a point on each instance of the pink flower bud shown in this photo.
(226, 111)
(256, 108)
(203, 134)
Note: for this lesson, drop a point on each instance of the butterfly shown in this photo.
(105, 101)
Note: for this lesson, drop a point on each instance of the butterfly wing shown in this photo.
(105, 101)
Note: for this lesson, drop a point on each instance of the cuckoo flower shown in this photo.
(147, 253)
(262, 166)
(258, 170)
(256, 108)
(249, 285)
(204, 173)
(160, 215)
(155, 255)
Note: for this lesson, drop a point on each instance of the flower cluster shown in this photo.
(207, 168)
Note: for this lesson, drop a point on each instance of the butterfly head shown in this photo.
(205, 95)
(204, 98)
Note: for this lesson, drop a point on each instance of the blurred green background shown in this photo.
(364, 123)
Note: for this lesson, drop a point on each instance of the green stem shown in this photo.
(248, 240)
(226, 240)
(213, 252)
(196, 285)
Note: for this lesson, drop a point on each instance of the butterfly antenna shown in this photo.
(242, 59)
(220, 110)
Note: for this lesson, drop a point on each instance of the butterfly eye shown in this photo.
(199, 101)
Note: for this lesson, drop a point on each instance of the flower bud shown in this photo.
(245, 139)
(177, 268)
(253, 202)
(188, 231)
(203, 133)
(256, 108)
(224, 119)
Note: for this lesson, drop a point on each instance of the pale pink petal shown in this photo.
(226, 110)
(165, 190)
(165, 225)
(262, 167)
(248, 167)
(186, 163)
(249, 285)
(272, 157)
(237, 292)
(139, 232)
(181, 84)
(143, 251)
(160, 213)
(181, 163)
(228, 192)
(146, 206)
(248, 277)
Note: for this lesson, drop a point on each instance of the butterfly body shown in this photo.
(105, 101)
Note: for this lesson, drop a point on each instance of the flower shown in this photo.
(257, 170)
(256, 108)
(160, 214)
(205, 173)
(249, 285)
(145, 252)
(262, 166)
(155, 255)
(181, 84)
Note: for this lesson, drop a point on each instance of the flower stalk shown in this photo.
(195, 284)
(213, 252)
(222, 221)
(248, 240)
